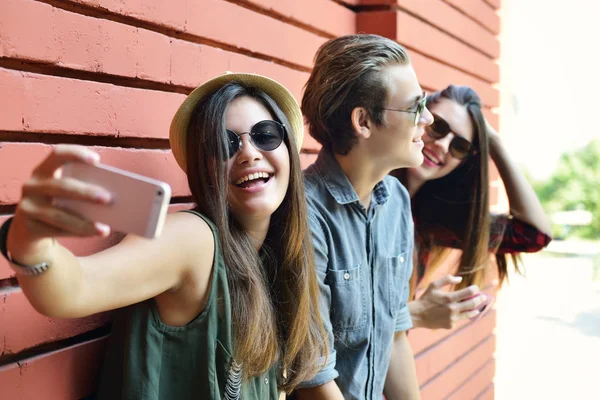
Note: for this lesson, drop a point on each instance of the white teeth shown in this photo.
(431, 159)
(252, 177)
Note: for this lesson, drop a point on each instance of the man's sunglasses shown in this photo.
(460, 148)
(265, 135)
(417, 111)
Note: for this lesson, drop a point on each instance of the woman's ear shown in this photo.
(361, 122)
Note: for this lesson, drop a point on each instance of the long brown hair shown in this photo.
(459, 202)
(274, 292)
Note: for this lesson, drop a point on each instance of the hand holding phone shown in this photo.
(138, 204)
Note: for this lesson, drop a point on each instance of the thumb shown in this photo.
(446, 280)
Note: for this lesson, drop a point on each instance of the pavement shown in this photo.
(548, 327)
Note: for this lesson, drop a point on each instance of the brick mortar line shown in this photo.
(442, 30)
(473, 18)
(47, 69)
(488, 387)
(81, 138)
(281, 17)
(483, 80)
(102, 13)
(457, 360)
(466, 381)
(454, 332)
(42, 349)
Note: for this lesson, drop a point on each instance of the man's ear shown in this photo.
(361, 122)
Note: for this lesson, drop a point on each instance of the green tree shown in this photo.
(575, 185)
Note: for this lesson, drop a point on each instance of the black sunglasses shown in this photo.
(265, 135)
(460, 148)
(417, 111)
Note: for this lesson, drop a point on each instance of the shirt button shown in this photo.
(266, 381)
(401, 259)
(346, 276)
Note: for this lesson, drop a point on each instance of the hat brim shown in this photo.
(279, 93)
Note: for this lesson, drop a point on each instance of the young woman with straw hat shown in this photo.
(224, 303)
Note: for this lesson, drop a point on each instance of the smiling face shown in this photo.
(438, 162)
(398, 141)
(258, 179)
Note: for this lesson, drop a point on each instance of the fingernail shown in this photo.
(94, 158)
(458, 278)
(103, 229)
(103, 197)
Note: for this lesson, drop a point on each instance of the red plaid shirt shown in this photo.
(508, 235)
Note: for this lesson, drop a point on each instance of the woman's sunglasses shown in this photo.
(265, 135)
(460, 148)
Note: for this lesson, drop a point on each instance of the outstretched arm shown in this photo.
(132, 271)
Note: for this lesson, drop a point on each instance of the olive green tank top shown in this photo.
(149, 360)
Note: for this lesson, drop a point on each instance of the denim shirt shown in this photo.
(364, 264)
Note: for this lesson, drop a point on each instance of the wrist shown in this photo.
(495, 146)
(416, 313)
(24, 250)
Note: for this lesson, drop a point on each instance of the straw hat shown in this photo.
(284, 99)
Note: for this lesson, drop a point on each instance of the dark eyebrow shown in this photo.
(416, 99)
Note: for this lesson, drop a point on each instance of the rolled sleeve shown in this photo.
(328, 372)
(403, 319)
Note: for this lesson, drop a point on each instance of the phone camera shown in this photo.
(159, 192)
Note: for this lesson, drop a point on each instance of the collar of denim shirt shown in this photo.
(337, 182)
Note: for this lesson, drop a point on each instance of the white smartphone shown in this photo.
(139, 204)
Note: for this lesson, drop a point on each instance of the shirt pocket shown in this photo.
(397, 281)
(348, 307)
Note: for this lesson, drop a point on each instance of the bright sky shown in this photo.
(550, 79)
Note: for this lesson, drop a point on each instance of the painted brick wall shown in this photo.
(109, 74)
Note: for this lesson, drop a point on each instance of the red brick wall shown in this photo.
(110, 73)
